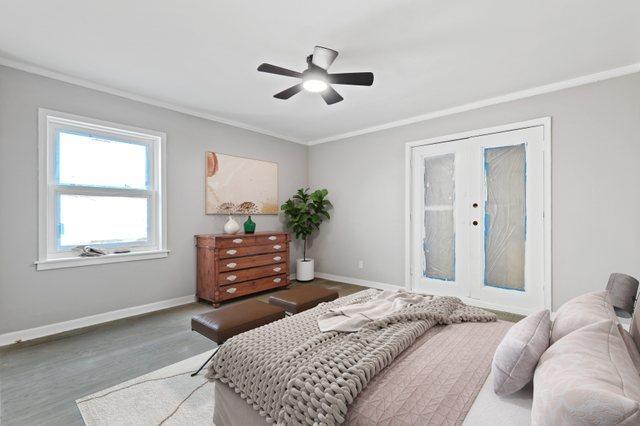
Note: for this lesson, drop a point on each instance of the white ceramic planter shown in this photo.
(304, 270)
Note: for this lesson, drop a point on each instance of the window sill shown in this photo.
(74, 262)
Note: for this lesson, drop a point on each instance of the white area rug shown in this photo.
(169, 396)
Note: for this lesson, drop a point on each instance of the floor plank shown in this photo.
(40, 380)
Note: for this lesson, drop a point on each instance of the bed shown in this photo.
(442, 377)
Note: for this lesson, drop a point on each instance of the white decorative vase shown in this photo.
(231, 227)
(304, 270)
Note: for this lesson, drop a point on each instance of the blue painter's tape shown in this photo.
(487, 222)
(487, 219)
(526, 158)
(56, 158)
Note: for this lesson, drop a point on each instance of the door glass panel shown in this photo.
(505, 217)
(439, 229)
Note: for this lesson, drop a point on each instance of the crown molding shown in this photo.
(34, 69)
(522, 94)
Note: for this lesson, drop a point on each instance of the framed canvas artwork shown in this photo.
(232, 182)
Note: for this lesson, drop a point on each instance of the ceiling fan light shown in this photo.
(314, 85)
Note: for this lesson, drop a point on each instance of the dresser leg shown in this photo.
(216, 305)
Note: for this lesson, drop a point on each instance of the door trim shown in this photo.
(545, 122)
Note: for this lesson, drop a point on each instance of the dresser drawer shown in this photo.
(250, 251)
(248, 287)
(236, 241)
(271, 239)
(226, 278)
(233, 264)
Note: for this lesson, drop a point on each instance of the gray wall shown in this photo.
(29, 298)
(596, 199)
(596, 187)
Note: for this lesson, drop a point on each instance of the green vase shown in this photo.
(249, 226)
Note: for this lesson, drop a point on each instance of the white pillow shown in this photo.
(580, 311)
(587, 378)
(516, 357)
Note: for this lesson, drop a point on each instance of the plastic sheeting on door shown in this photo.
(505, 216)
(439, 228)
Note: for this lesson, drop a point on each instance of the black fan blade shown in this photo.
(323, 57)
(272, 69)
(286, 94)
(355, 78)
(330, 96)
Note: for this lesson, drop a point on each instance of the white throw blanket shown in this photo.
(351, 318)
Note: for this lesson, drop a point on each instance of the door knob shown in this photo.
(475, 223)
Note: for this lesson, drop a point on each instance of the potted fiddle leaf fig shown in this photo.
(304, 213)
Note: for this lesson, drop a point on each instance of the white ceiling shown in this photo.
(426, 55)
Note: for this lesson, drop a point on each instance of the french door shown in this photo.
(477, 219)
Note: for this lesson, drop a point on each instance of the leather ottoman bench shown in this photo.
(227, 321)
(301, 298)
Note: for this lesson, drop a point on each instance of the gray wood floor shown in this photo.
(40, 380)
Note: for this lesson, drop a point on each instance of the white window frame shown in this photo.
(52, 257)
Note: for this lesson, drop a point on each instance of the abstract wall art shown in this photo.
(232, 181)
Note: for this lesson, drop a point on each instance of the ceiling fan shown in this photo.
(316, 78)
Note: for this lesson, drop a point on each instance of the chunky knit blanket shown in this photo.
(292, 373)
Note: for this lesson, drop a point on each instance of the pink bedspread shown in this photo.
(435, 381)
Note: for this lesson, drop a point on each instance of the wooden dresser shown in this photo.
(231, 266)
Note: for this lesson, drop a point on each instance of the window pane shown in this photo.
(505, 219)
(439, 228)
(84, 160)
(89, 219)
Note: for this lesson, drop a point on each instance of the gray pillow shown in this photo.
(580, 311)
(516, 357)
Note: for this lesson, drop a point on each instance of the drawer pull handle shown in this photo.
(273, 238)
(231, 278)
(231, 265)
(232, 251)
(231, 290)
(277, 247)
(277, 258)
(237, 240)
(278, 269)
(277, 280)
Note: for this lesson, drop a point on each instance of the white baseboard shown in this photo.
(358, 281)
(60, 327)
(385, 286)
(502, 308)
